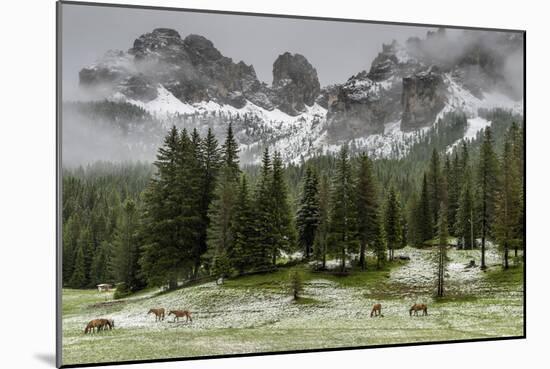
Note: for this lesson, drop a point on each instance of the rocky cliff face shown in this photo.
(370, 99)
(423, 97)
(193, 70)
(295, 83)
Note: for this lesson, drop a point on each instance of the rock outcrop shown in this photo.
(422, 99)
(193, 70)
(295, 83)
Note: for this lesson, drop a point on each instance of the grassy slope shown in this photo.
(255, 313)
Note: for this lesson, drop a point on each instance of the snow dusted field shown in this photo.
(256, 314)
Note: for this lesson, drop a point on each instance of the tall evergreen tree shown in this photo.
(443, 234)
(366, 205)
(71, 232)
(509, 201)
(284, 229)
(434, 185)
(243, 254)
(263, 215)
(414, 234)
(451, 189)
(210, 161)
(487, 184)
(392, 222)
(515, 136)
(322, 232)
(466, 217)
(166, 254)
(78, 277)
(124, 264)
(424, 214)
(307, 217)
(221, 214)
(100, 271)
(342, 208)
(230, 150)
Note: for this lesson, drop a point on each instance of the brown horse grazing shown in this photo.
(97, 325)
(376, 310)
(416, 307)
(92, 326)
(159, 313)
(180, 314)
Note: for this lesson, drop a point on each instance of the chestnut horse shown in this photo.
(180, 314)
(97, 325)
(376, 310)
(159, 313)
(416, 307)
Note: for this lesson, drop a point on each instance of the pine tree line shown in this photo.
(201, 214)
(483, 198)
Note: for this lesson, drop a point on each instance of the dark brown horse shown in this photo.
(159, 313)
(180, 314)
(92, 326)
(376, 310)
(418, 307)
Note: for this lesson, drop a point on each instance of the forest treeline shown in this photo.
(196, 212)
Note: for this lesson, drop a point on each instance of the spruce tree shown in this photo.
(443, 233)
(509, 201)
(243, 253)
(515, 136)
(165, 253)
(263, 215)
(424, 214)
(434, 185)
(189, 191)
(392, 222)
(466, 217)
(210, 161)
(221, 214)
(220, 236)
(284, 230)
(455, 185)
(100, 272)
(366, 205)
(487, 184)
(342, 209)
(322, 233)
(124, 264)
(230, 152)
(71, 232)
(414, 235)
(78, 278)
(307, 217)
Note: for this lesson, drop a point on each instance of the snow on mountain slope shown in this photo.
(306, 135)
(459, 98)
(474, 126)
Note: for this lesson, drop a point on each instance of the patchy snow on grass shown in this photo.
(252, 315)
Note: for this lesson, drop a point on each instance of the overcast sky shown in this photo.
(336, 49)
